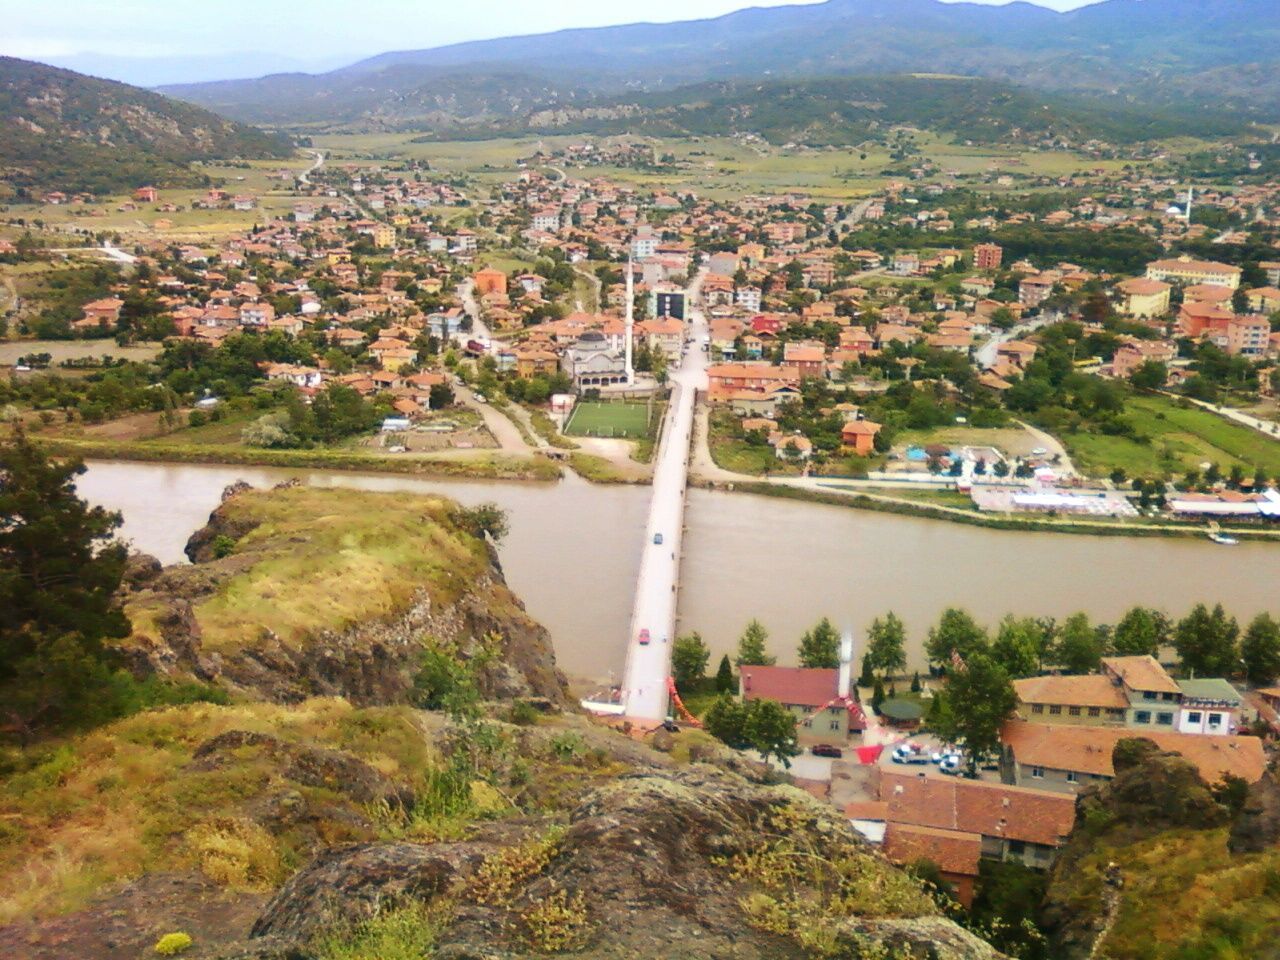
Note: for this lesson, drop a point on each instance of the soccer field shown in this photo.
(624, 420)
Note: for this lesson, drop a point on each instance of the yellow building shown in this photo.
(1187, 271)
(1144, 298)
(384, 236)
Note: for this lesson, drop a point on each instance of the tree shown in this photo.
(1139, 632)
(956, 632)
(60, 570)
(1018, 645)
(1261, 650)
(887, 644)
(689, 658)
(1150, 375)
(771, 730)
(725, 683)
(979, 699)
(820, 647)
(1080, 645)
(751, 647)
(762, 725)
(1206, 642)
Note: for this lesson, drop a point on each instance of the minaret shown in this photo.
(844, 683)
(1190, 191)
(631, 319)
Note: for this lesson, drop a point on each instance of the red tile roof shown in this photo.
(953, 851)
(991, 809)
(802, 686)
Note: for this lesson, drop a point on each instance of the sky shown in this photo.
(324, 33)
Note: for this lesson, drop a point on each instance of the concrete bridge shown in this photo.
(644, 692)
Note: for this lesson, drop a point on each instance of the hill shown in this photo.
(841, 111)
(1162, 51)
(63, 130)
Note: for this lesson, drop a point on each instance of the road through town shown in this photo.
(648, 665)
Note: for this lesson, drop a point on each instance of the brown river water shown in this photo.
(574, 550)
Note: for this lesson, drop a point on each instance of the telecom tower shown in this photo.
(631, 319)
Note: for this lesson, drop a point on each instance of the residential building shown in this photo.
(1033, 291)
(1015, 823)
(1093, 700)
(1064, 759)
(1210, 706)
(489, 281)
(824, 712)
(955, 853)
(987, 256)
(859, 437)
(1143, 297)
(104, 314)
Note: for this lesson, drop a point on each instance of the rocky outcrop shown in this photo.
(1258, 826)
(648, 862)
(371, 662)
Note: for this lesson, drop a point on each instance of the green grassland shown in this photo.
(628, 421)
(1181, 439)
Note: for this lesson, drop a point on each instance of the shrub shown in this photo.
(172, 944)
(223, 546)
(558, 923)
(236, 853)
(523, 713)
(512, 867)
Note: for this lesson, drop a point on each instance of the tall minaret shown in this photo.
(631, 319)
(1190, 194)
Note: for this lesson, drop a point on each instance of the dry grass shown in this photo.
(122, 800)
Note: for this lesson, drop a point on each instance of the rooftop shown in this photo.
(1088, 691)
(989, 809)
(803, 686)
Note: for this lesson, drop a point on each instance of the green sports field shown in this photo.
(628, 421)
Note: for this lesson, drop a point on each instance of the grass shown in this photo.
(480, 466)
(545, 427)
(1182, 438)
(596, 469)
(326, 561)
(108, 806)
(1187, 897)
(628, 421)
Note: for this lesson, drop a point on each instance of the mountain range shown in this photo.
(1171, 52)
(60, 129)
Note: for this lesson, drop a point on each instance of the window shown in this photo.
(1071, 777)
(1194, 716)
(1148, 694)
(1095, 711)
(1074, 711)
(808, 723)
(834, 725)
(1054, 710)
(1164, 719)
(1037, 773)
(1215, 719)
(1169, 697)
(1017, 847)
(1142, 716)
(1037, 708)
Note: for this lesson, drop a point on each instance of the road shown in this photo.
(987, 354)
(305, 176)
(108, 249)
(648, 666)
(479, 331)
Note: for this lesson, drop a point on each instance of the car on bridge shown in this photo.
(657, 539)
(644, 637)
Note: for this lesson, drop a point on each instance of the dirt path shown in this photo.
(509, 438)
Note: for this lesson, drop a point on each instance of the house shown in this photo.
(859, 437)
(1019, 353)
(489, 281)
(1015, 823)
(146, 195)
(1210, 706)
(808, 358)
(299, 376)
(1033, 291)
(1128, 357)
(1142, 297)
(1093, 700)
(1264, 299)
(1184, 270)
(100, 314)
(793, 447)
(823, 709)
(955, 853)
(1064, 759)
(748, 298)
(243, 202)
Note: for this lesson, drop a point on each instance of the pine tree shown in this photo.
(1206, 642)
(1080, 647)
(725, 682)
(887, 644)
(1261, 650)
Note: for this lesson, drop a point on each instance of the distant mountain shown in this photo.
(60, 129)
(1162, 51)
(157, 71)
(850, 110)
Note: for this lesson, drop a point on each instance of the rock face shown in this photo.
(370, 662)
(650, 857)
(1258, 826)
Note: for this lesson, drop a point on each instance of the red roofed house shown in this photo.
(954, 852)
(824, 712)
(859, 436)
(100, 314)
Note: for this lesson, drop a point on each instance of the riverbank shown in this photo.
(880, 503)
(481, 466)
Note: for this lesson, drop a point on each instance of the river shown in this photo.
(573, 555)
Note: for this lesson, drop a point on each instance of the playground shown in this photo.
(625, 421)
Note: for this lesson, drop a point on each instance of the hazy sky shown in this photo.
(304, 30)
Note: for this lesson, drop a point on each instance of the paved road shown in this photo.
(986, 354)
(305, 176)
(644, 683)
(479, 331)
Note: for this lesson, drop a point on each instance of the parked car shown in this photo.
(909, 753)
(644, 637)
(952, 764)
(826, 750)
(480, 398)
